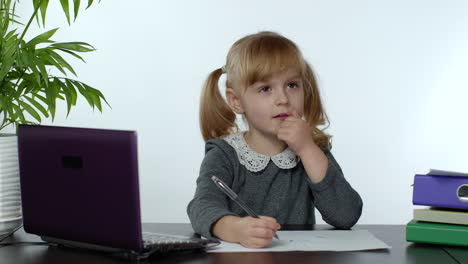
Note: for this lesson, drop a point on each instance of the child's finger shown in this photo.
(265, 233)
(268, 219)
(286, 124)
(296, 114)
(283, 134)
(257, 242)
(289, 118)
(272, 223)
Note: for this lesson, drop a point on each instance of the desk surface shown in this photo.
(393, 235)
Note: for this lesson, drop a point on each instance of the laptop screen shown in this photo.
(80, 184)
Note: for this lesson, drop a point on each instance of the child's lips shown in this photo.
(281, 116)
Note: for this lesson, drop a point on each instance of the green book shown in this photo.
(436, 233)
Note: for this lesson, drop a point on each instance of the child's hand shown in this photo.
(296, 133)
(257, 232)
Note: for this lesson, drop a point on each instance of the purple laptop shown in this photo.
(79, 187)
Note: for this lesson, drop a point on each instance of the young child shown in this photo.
(281, 167)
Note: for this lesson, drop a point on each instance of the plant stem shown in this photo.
(31, 19)
(6, 122)
(21, 38)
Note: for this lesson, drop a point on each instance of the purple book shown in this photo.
(441, 191)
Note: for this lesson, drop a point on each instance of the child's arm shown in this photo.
(209, 210)
(296, 133)
(339, 204)
(248, 231)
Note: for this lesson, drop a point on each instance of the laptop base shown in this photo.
(123, 253)
(130, 254)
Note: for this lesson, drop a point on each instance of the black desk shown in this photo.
(393, 235)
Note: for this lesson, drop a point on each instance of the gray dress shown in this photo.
(284, 194)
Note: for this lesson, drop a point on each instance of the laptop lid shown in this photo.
(80, 184)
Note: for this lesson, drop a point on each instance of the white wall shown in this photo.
(392, 74)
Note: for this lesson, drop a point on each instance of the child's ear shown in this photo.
(234, 101)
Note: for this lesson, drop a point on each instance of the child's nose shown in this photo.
(281, 97)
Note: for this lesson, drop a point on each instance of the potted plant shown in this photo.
(33, 76)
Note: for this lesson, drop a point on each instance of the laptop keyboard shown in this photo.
(171, 242)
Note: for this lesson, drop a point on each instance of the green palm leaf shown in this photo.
(76, 4)
(66, 9)
(42, 38)
(43, 7)
(30, 110)
(38, 106)
(28, 87)
(74, 46)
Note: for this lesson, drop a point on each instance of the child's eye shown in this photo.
(293, 85)
(264, 89)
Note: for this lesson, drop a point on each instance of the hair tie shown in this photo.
(223, 69)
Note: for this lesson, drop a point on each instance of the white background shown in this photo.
(393, 76)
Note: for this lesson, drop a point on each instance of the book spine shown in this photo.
(439, 191)
(447, 217)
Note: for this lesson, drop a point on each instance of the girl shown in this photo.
(281, 166)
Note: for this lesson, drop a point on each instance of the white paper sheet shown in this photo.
(325, 240)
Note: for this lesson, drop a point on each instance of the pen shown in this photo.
(231, 194)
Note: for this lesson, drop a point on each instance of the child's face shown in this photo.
(267, 103)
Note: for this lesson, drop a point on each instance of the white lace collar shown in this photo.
(256, 162)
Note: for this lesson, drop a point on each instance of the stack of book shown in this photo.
(10, 201)
(445, 220)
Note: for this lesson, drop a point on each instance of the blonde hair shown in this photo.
(254, 58)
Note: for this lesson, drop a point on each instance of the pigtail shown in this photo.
(216, 117)
(314, 111)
